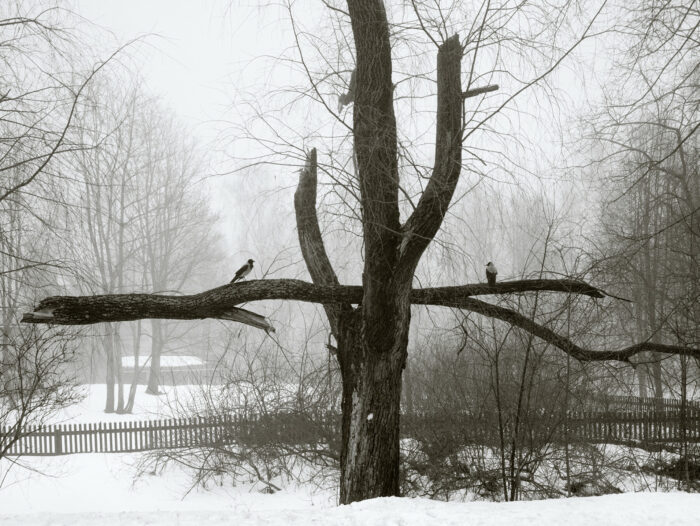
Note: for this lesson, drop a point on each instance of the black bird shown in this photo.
(491, 273)
(243, 271)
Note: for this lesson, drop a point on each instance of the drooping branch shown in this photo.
(565, 344)
(422, 225)
(310, 239)
(247, 318)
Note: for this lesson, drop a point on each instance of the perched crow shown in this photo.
(243, 271)
(491, 273)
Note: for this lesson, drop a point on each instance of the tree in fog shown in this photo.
(142, 224)
(177, 242)
(647, 136)
(397, 221)
(43, 75)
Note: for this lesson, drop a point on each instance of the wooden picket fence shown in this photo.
(622, 427)
(643, 427)
(147, 435)
(638, 403)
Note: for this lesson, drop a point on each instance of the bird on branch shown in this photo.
(243, 271)
(491, 273)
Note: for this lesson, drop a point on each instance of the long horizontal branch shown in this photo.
(221, 301)
(565, 344)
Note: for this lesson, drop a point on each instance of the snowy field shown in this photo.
(101, 489)
(146, 407)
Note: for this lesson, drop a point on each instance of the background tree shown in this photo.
(44, 71)
(646, 145)
(177, 241)
(142, 220)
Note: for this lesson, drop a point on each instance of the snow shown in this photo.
(92, 489)
(168, 404)
(165, 361)
(146, 406)
(99, 489)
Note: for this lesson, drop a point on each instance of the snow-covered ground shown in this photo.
(101, 489)
(146, 406)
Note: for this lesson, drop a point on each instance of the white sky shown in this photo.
(194, 56)
(193, 52)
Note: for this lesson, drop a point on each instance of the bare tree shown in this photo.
(647, 134)
(142, 217)
(371, 322)
(36, 381)
(44, 76)
(177, 242)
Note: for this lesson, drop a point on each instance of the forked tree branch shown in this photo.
(422, 225)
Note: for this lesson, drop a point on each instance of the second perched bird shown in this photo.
(491, 273)
(243, 271)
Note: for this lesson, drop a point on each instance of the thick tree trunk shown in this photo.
(371, 412)
(370, 460)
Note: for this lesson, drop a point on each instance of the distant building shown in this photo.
(174, 370)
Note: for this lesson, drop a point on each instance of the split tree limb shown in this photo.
(248, 318)
(220, 302)
(310, 239)
(86, 310)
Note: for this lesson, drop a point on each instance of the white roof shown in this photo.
(165, 361)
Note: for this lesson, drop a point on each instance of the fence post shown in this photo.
(58, 440)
